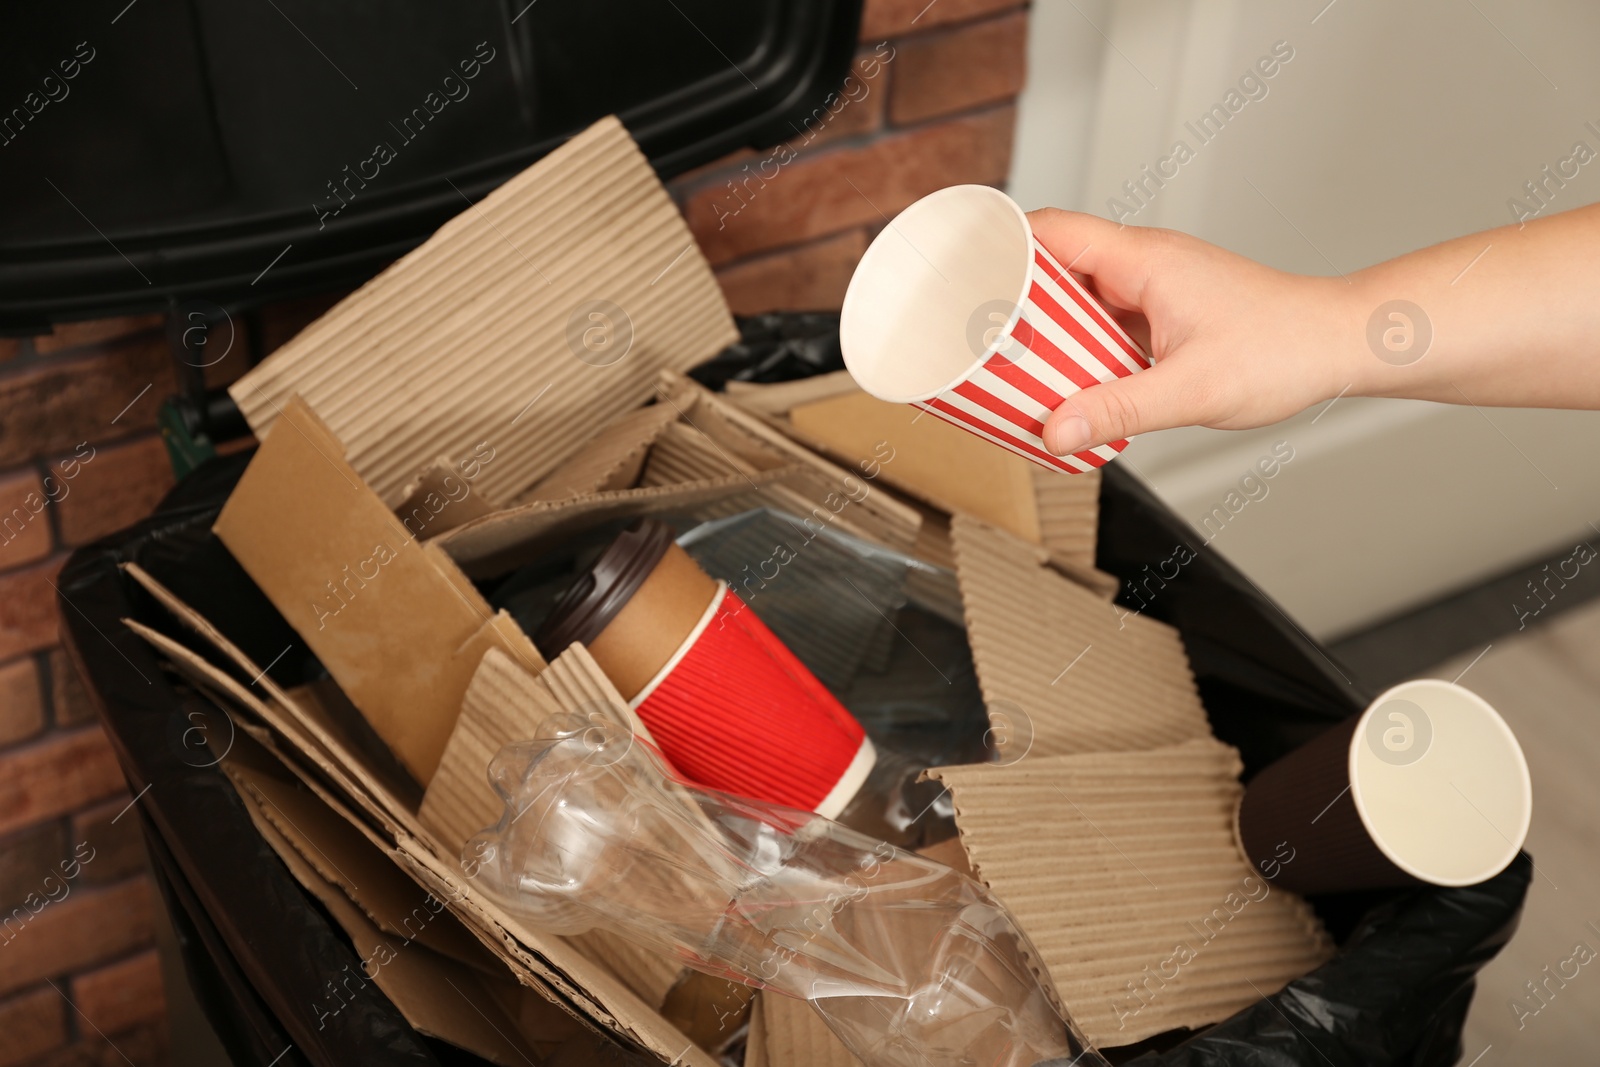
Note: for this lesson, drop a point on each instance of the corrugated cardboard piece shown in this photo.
(486, 332)
(939, 463)
(689, 449)
(785, 1032)
(506, 704)
(1086, 676)
(561, 973)
(393, 619)
(1130, 886)
(445, 982)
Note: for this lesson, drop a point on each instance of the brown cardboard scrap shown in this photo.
(684, 454)
(440, 498)
(612, 459)
(1083, 674)
(932, 459)
(794, 1035)
(326, 836)
(551, 963)
(314, 763)
(315, 738)
(505, 704)
(559, 971)
(939, 464)
(543, 309)
(877, 516)
(1127, 880)
(393, 619)
(502, 705)
(498, 543)
(785, 1032)
(779, 398)
(1068, 510)
(713, 1011)
(437, 994)
(755, 1047)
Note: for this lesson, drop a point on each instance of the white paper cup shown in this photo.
(1428, 785)
(958, 310)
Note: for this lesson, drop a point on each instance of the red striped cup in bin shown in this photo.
(957, 309)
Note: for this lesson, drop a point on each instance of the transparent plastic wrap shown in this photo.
(909, 962)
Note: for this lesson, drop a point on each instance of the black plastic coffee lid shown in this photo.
(597, 596)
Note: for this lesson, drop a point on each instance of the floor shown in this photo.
(1546, 682)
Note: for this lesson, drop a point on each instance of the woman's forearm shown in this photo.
(1514, 315)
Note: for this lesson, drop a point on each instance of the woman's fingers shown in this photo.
(1116, 257)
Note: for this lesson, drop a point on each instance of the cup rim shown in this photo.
(852, 295)
(1513, 746)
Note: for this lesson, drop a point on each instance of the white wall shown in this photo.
(1393, 127)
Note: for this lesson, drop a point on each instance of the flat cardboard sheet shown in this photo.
(940, 464)
(612, 459)
(877, 516)
(392, 618)
(316, 742)
(543, 310)
(1129, 883)
(506, 704)
(575, 979)
(1080, 673)
(438, 994)
(787, 1032)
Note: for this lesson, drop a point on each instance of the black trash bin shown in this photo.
(258, 948)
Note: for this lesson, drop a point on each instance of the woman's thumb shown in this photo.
(1115, 410)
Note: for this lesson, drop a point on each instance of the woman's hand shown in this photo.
(1235, 344)
(1506, 317)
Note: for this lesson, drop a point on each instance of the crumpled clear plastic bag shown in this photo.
(909, 962)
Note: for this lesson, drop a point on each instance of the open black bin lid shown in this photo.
(156, 152)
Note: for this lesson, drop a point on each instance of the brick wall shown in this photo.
(79, 459)
(931, 104)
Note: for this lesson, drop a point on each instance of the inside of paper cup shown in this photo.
(935, 292)
(1440, 783)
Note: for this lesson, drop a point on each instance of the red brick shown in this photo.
(21, 705)
(115, 840)
(69, 700)
(26, 859)
(95, 331)
(844, 188)
(891, 18)
(857, 109)
(48, 408)
(147, 1045)
(86, 927)
(116, 486)
(58, 774)
(959, 69)
(123, 994)
(28, 608)
(812, 277)
(24, 526)
(33, 1024)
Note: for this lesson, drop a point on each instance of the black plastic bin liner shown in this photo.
(259, 949)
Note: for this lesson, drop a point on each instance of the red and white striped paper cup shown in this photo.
(735, 710)
(957, 309)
